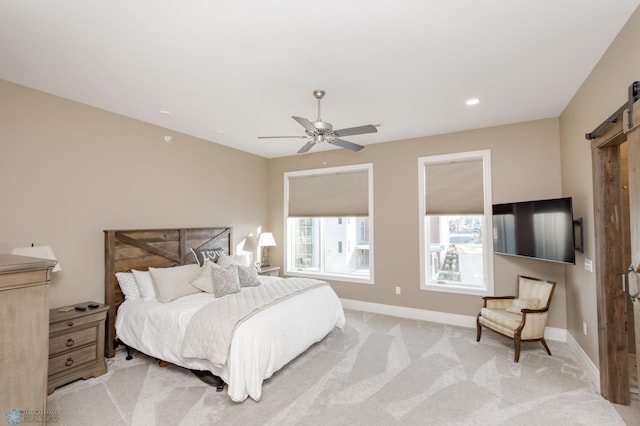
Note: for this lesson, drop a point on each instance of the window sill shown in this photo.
(458, 289)
(330, 277)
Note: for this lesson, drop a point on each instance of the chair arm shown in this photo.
(533, 324)
(497, 302)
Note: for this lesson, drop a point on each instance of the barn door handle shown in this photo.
(625, 278)
(625, 282)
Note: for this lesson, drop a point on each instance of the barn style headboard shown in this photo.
(140, 249)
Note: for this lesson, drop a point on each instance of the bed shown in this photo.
(260, 344)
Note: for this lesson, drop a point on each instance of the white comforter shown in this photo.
(260, 346)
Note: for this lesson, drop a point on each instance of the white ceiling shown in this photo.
(232, 70)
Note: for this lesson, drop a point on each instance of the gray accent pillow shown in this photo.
(217, 280)
(201, 254)
(248, 276)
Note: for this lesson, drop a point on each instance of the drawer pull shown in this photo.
(70, 323)
(70, 342)
(69, 362)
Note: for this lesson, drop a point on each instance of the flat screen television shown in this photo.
(541, 229)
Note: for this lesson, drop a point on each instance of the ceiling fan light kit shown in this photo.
(322, 131)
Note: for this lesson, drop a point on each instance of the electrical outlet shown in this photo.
(584, 327)
(397, 290)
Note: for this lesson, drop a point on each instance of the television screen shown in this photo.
(541, 229)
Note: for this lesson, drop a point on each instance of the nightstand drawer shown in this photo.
(72, 359)
(75, 322)
(72, 340)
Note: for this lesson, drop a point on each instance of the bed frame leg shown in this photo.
(210, 379)
(119, 342)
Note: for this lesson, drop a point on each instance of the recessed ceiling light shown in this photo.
(165, 113)
(220, 132)
(473, 101)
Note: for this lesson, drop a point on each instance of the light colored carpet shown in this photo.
(379, 371)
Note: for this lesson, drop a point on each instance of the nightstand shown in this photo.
(76, 344)
(272, 271)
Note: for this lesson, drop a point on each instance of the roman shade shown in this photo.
(333, 194)
(453, 188)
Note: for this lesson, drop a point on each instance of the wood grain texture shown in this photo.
(24, 333)
(609, 228)
(633, 146)
(143, 248)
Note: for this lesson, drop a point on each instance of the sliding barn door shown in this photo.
(633, 286)
(610, 260)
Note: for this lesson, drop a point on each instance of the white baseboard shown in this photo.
(410, 313)
(585, 362)
(550, 333)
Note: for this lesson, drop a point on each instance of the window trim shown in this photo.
(487, 235)
(287, 249)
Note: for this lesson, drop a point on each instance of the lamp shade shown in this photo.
(43, 252)
(266, 240)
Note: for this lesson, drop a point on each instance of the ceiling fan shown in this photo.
(321, 131)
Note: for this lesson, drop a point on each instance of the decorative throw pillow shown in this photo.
(145, 285)
(519, 304)
(174, 282)
(236, 259)
(225, 279)
(201, 254)
(248, 276)
(128, 285)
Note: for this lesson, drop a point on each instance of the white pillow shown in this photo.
(204, 280)
(174, 282)
(128, 285)
(145, 285)
(236, 259)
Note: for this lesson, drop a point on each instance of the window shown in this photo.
(455, 223)
(329, 222)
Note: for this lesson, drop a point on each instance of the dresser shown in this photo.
(24, 331)
(76, 343)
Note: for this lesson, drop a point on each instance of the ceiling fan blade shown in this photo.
(306, 147)
(360, 130)
(347, 145)
(280, 137)
(305, 123)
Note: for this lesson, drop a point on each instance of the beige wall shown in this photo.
(604, 91)
(69, 171)
(525, 165)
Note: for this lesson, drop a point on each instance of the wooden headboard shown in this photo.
(140, 249)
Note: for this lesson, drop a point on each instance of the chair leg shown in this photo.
(516, 342)
(479, 332)
(544, 343)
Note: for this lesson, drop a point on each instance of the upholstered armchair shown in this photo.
(521, 318)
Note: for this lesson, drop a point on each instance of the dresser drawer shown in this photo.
(72, 340)
(70, 360)
(75, 322)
